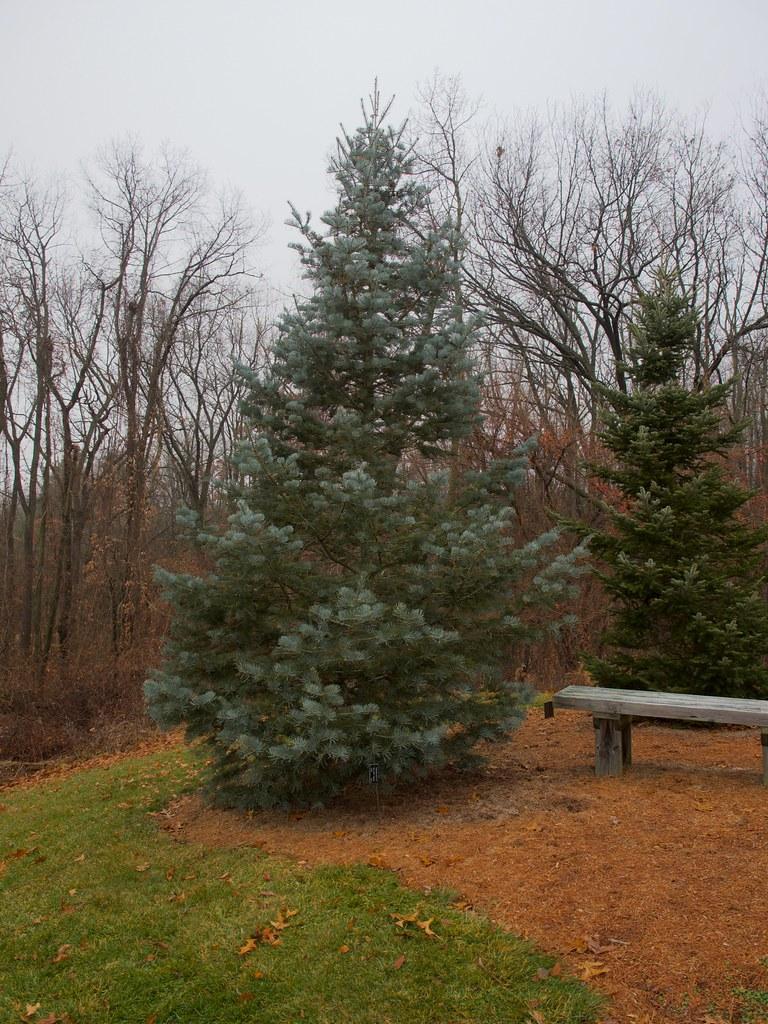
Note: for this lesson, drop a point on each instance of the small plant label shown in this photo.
(374, 775)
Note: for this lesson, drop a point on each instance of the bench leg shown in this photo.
(608, 746)
(626, 741)
(764, 741)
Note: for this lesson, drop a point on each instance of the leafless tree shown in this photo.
(168, 255)
(577, 211)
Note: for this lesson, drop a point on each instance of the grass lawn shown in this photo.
(103, 918)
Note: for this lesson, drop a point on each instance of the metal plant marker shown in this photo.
(374, 778)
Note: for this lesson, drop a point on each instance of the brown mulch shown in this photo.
(657, 879)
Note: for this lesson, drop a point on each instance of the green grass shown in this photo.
(753, 1004)
(152, 928)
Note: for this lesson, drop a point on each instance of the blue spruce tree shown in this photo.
(361, 610)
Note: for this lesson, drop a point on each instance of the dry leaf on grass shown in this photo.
(399, 962)
(283, 919)
(344, 949)
(64, 953)
(264, 936)
(403, 920)
(463, 905)
(549, 972)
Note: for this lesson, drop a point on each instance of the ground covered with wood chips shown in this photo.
(652, 887)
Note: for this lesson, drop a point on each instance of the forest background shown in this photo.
(127, 298)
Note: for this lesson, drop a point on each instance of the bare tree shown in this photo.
(574, 213)
(201, 396)
(168, 256)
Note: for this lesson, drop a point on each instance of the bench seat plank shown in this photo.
(681, 706)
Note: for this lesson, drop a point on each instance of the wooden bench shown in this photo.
(613, 712)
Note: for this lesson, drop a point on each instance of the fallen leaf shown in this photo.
(31, 1010)
(282, 921)
(152, 1019)
(343, 949)
(169, 874)
(703, 805)
(594, 945)
(67, 908)
(377, 860)
(442, 809)
(270, 937)
(63, 953)
(425, 927)
(427, 861)
(258, 975)
(3, 867)
(592, 969)
(403, 920)
(340, 834)
(143, 867)
(245, 997)
(80, 859)
(549, 972)
(536, 1017)
(248, 947)
(267, 877)
(399, 962)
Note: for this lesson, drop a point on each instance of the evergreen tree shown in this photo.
(360, 611)
(682, 568)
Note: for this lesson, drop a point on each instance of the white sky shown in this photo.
(255, 89)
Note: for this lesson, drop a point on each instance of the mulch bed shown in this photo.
(651, 887)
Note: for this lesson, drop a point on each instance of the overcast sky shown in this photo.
(255, 89)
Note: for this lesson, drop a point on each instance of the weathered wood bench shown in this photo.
(613, 712)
